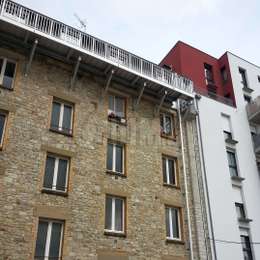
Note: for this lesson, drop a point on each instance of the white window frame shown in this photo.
(164, 123)
(167, 158)
(4, 128)
(170, 224)
(5, 60)
(114, 157)
(114, 108)
(113, 222)
(62, 104)
(55, 172)
(48, 236)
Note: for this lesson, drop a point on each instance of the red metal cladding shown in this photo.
(190, 62)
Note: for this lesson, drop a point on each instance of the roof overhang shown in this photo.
(20, 26)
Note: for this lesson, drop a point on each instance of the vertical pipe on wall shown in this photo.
(198, 124)
(185, 184)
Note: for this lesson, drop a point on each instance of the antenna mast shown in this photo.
(83, 23)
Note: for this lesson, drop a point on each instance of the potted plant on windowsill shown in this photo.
(113, 117)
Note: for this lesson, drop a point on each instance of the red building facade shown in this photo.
(211, 76)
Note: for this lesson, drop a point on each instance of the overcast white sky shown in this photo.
(150, 28)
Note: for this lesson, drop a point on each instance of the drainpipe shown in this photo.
(185, 184)
(202, 158)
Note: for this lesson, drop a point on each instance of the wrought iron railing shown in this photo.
(32, 20)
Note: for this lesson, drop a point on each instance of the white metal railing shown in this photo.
(253, 108)
(67, 34)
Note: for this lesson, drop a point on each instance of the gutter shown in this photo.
(186, 185)
(202, 158)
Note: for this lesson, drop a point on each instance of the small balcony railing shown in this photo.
(253, 111)
(256, 140)
(55, 30)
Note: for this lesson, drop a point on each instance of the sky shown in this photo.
(150, 28)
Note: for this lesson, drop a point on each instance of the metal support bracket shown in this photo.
(134, 80)
(28, 66)
(158, 108)
(109, 78)
(137, 101)
(73, 79)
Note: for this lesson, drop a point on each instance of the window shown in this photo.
(114, 216)
(172, 217)
(56, 173)
(169, 170)
(116, 108)
(243, 77)
(61, 118)
(208, 74)
(7, 71)
(232, 164)
(246, 247)
(247, 98)
(3, 119)
(49, 240)
(258, 77)
(240, 210)
(115, 157)
(227, 135)
(166, 123)
(224, 74)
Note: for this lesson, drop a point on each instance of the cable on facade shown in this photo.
(234, 242)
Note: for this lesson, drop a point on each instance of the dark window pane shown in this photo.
(167, 220)
(9, 75)
(1, 65)
(2, 124)
(108, 221)
(171, 172)
(41, 240)
(55, 115)
(164, 170)
(66, 124)
(49, 170)
(119, 215)
(55, 241)
(168, 125)
(175, 223)
(111, 103)
(62, 175)
(109, 157)
(119, 158)
(120, 103)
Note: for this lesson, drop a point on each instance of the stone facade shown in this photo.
(22, 163)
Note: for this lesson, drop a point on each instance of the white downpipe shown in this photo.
(186, 185)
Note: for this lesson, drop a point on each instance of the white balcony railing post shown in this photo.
(3, 6)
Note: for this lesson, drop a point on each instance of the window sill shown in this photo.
(170, 137)
(237, 178)
(55, 192)
(114, 234)
(247, 89)
(60, 132)
(117, 121)
(245, 220)
(9, 89)
(174, 241)
(231, 141)
(172, 186)
(122, 175)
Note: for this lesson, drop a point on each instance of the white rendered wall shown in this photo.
(222, 193)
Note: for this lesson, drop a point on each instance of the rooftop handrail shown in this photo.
(215, 96)
(253, 107)
(92, 45)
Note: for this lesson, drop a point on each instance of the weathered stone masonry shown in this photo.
(22, 163)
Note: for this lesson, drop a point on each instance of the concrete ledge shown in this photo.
(57, 151)
(50, 212)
